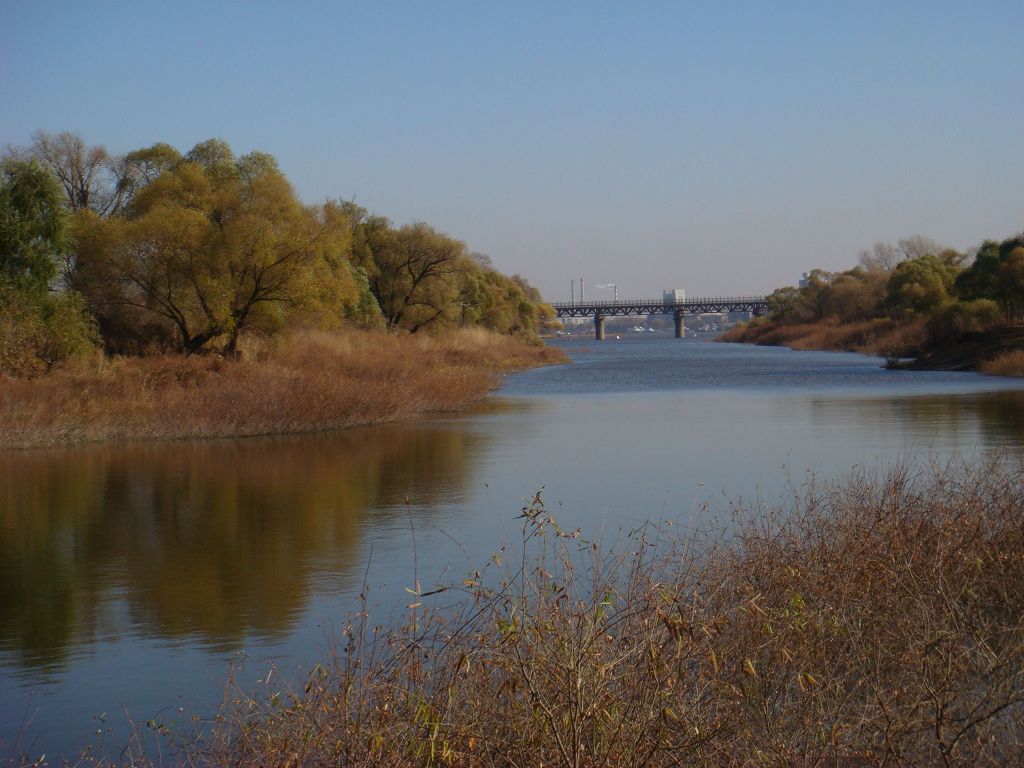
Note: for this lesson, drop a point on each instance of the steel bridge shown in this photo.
(599, 310)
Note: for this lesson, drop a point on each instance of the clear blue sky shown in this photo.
(718, 147)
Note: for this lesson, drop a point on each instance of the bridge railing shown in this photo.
(659, 302)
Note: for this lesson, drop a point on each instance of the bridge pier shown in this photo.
(680, 327)
(599, 327)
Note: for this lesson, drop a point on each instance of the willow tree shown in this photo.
(922, 285)
(507, 305)
(417, 277)
(217, 248)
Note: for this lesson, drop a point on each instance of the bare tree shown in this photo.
(916, 246)
(883, 257)
(91, 178)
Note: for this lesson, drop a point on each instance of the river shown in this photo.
(134, 579)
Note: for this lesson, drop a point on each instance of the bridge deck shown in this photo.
(755, 304)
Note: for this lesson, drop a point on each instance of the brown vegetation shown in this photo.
(304, 382)
(996, 351)
(883, 337)
(1006, 364)
(877, 622)
(976, 352)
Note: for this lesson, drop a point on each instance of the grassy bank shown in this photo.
(301, 383)
(877, 621)
(1009, 363)
(997, 351)
(882, 337)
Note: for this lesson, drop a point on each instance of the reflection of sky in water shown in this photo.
(130, 576)
(635, 365)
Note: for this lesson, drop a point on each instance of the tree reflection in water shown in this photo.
(969, 422)
(213, 540)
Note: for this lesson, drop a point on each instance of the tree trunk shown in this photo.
(231, 348)
(195, 344)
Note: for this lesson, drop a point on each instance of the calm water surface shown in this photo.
(133, 577)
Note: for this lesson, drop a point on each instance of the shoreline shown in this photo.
(998, 351)
(313, 382)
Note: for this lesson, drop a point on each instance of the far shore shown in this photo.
(997, 351)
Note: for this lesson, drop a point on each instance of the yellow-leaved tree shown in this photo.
(215, 248)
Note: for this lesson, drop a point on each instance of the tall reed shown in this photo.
(305, 382)
(882, 337)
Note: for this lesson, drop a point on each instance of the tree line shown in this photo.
(158, 251)
(918, 280)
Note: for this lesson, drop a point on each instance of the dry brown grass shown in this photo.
(1006, 364)
(878, 621)
(307, 382)
(882, 337)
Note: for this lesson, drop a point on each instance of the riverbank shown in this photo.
(871, 621)
(304, 383)
(997, 351)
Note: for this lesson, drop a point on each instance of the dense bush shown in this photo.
(39, 327)
(40, 331)
(958, 318)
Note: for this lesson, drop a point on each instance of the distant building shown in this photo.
(805, 280)
(738, 316)
(675, 296)
(707, 321)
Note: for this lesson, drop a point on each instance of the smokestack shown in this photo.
(572, 291)
(581, 290)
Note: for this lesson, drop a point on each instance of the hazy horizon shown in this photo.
(715, 149)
